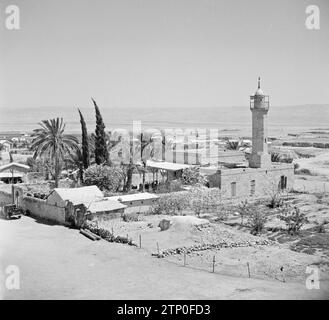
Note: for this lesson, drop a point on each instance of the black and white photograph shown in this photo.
(156, 150)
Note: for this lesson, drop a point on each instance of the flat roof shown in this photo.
(134, 197)
(105, 205)
(169, 166)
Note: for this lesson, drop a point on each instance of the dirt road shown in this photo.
(59, 263)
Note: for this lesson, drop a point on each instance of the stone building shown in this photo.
(261, 176)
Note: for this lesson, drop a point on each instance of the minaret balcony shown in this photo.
(259, 102)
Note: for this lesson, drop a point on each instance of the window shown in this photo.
(233, 189)
(283, 182)
(252, 187)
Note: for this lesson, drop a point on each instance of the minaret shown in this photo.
(259, 105)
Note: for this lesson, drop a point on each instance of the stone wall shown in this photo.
(41, 209)
(265, 180)
(139, 206)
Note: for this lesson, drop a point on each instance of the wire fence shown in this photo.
(210, 261)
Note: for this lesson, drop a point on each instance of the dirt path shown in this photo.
(58, 263)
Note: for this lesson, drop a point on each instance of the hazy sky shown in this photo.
(162, 53)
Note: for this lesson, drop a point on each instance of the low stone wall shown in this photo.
(41, 209)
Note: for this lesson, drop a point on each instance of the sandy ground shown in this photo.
(59, 263)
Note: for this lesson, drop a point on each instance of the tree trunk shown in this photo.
(129, 178)
(143, 183)
(56, 171)
(81, 174)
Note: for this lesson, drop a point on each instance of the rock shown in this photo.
(164, 224)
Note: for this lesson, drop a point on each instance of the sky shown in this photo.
(158, 54)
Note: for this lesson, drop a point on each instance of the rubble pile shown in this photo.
(211, 246)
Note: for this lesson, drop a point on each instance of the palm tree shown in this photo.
(233, 144)
(76, 160)
(50, 141)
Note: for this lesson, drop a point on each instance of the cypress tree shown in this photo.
(101, 152)
(85, 142)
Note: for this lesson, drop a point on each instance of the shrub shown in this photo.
(192, 176)
(256, 220)
(130, 217)
(304, 171)
(296, 166)
(171, 186)
(170, 204)
(276, 199)
(104, 177)
(293, 218)
(244, 209)
(320, 228)
(205, 200)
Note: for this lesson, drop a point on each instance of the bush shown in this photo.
(170, 204)
(276, 200)
(320, 228)
(293, 218)
(205, 200)
(244, 209)
(304, 171)
(130, 217)
(104, 177)
(256, 220)
(171, 186)
(192, 176)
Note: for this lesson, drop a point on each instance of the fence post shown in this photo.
(248, 269)
(140, 241)
(184, 259)
(158, 248)
(112, 232)
(213, 264)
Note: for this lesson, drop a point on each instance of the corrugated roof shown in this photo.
(80, 195)
(105, 205)
(166, 165)
(134, 197)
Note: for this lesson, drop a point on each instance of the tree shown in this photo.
(256, 220)
(293, 218)
(101, 152)
(244, 209)
(51, 142)
(85, 142)
(104, 177)
(147, 152)
(233, 144)
(76, 160)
